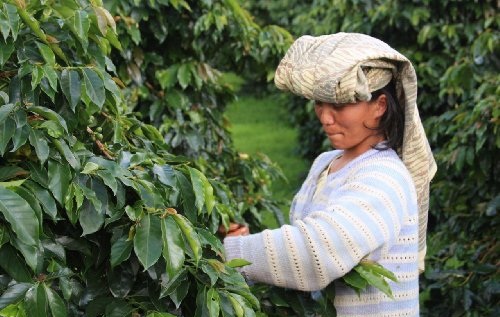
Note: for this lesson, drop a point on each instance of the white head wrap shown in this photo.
(346, 68)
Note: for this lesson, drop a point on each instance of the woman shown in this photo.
(368, 199)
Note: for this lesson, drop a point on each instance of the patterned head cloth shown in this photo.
(346, 68)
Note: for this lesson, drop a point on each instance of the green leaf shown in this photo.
(81, 25)
(187, 194)
(9, 172)
(173, 246)
(90, 168)
(238, 263)
(91, 219)
(13, 294)
(148, 240)
(43, 195)
(5, 111)
(190, 235)
(378, 269)
(355, 280)
(51, 75)
(173, 283)
(53, 129)
(13, 264)
(203, 190)
(7, 130)
(167, 77)
(165, 174)
(49, 115)
(158, 314)
(374, 280)
(210, 271)
(184, 75)
(213, 302)
(56, 304)
(109, 180)
(65, 150)
(207, 238)
(33, 255)
(20, 216)
(6, 50)
(71, 87)
(226, 306)
(59, 180)
(13, 19)
(39, 142)
(94, 86)
(20, 137)
(36, 301)
(47, 53)
(120, 250)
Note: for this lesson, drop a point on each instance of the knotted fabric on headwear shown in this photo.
(346, 68)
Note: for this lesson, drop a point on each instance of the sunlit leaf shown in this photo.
(173, 246)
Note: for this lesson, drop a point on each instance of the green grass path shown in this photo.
(259, 125)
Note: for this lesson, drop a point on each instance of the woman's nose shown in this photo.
(326, 115)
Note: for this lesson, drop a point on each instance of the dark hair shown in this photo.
(392, 123)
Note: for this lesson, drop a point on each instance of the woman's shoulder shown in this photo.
(383, 162)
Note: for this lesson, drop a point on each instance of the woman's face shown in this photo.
(348, 125)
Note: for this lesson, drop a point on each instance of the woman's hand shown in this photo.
(235, 229)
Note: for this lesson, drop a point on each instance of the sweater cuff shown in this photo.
(233, 249)
(232, 246)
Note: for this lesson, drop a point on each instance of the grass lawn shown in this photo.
(259, 125)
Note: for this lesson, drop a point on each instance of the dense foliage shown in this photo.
(116, 168)
(454, 46)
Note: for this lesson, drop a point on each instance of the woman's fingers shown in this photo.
(241, 231)
(235, 229)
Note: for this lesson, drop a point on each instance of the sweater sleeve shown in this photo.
(362, 217)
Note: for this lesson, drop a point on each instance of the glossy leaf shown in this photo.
(56, 304)
(94, 86)
(81, 25)
(120, 250)
(47, 201)
(71, 86)
(13, 294)
(14, 265)
(49, 115)
(5, 111)
(190, 235)
(173, 246)
(59, 180)
(203, 191)
(91, 219)
(20, 216)
(36, 301)
(47, 53)
(213, 302)
(148, 240)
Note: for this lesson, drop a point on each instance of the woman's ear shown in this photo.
(380, 105)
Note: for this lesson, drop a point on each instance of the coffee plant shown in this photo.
(116, 168)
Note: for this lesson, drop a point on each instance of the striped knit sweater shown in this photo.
(367, 209)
